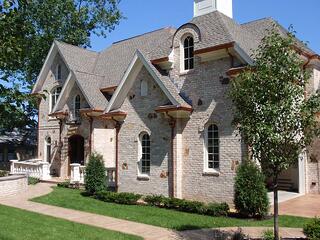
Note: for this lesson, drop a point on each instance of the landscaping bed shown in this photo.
(73, 199)
(19, 224)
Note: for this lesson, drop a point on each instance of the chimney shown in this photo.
(202, 7)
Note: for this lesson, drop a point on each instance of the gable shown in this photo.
(139, 61)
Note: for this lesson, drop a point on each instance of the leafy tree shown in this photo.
(272, 113)
(95, 178)
(27, 30)
(251, 196)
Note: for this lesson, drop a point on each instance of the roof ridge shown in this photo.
(140, 35)
(258, 20)
(93, 74)
(71, 45)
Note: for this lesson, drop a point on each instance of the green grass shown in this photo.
(19, 224)
(73, 199)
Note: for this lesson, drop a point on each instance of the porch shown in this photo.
(37, 168)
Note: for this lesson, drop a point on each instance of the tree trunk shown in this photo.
(276, 208)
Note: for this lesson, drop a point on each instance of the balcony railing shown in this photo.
(32, 168)
(78, 174)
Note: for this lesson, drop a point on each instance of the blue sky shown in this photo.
(148, 15)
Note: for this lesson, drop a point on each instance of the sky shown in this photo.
(147, 15)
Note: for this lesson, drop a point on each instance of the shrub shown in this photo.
(212, 209)
(250, 197)
(95, 178)
(217, 209)
(33, 181)
(120, 198)
(64, 184)
(312, 229)
(3, 173)
(268, 235)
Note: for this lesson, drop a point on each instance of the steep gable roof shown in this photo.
(141, 60)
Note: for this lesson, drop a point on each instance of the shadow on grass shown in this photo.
(214, 234)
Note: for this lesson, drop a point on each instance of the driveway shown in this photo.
(304, 206)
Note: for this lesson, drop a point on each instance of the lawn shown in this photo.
(73, 199)
(19, 224)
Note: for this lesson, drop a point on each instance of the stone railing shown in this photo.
(32, 168)
(78, 174)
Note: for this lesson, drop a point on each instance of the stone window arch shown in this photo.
(188, 52)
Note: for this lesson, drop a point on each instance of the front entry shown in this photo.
(76, 151)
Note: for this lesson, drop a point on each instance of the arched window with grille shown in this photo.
(188, 47)
(212, 148)
(144, 154)
(48, 149)
(55, 93)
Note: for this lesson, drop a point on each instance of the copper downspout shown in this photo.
(118, 126)
(172, 124)
(38, 133)
(90, 135)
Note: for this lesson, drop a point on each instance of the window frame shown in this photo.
(143, 174)
(53, 93)
(58, 74)
(207, 168)
(187, 53)
(76, 111)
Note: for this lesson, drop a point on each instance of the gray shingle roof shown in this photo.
(90, 86)
(113, 62)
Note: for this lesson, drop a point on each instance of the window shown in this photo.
(58, 72)
(48, 149)
(55, 93)
(212, 147)
(144, 88)
(144, 154)
(188, 46)
(77, 106)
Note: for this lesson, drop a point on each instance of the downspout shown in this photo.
(38, 133)
(90, 135)
(172, 123)
(118, 127)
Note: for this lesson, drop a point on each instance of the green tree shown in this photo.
(27, 30)
(95, 179)
(274, 117)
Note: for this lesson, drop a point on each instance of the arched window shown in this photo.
(212, 147)
(77, 106)
(143, 88)
(144, 163)
(55, 93)
(48, 149)
(188, 46)
(58, 72)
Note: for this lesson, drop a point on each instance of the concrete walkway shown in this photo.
(148, 232)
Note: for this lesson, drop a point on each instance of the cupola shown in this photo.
(202, 7)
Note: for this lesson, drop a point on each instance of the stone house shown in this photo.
(155, 106)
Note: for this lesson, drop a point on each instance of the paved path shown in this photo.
(148, 232)
(304, 206)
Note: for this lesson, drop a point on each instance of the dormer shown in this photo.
(202, 7)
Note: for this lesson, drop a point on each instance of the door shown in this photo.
(76, 150)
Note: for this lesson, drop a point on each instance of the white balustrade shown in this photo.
(78, 174)
(32, 168)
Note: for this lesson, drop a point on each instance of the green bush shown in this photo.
(312, 229)
(95, 178)
(212, 209)
(217, 209)
(33, 181)
(268, 235)
(64, 184)
(120, 198)
(250, 197)
(3, 173)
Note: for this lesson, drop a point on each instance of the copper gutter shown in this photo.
(169, 108)
(160, 60)
(215, 48)
(108, 89)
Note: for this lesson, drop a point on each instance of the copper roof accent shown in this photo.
(108, 89)
(169, 108)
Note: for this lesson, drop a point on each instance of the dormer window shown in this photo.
(58, 72)
(55, 93)
(188, 46)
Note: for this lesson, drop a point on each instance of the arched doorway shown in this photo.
(76, 150)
